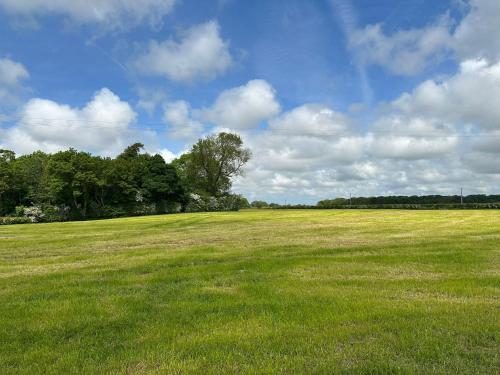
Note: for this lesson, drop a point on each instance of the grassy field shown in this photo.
(333, 291)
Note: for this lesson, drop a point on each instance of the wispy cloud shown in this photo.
(347, 18)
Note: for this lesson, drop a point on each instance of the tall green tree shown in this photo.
(31, 178)
(6, 180)
(73, 179)
(213, 162)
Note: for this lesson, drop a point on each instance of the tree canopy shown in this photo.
(80, 185)
(212, 162)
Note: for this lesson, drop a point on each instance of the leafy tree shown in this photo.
(213, 161)
(6, 180)
(73, 179)
(74, 184)
(259, 204)
(161, 183)
(31, 178)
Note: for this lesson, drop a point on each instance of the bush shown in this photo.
(232, 203)
(145, 209)
(259, 204)
(229, 202)
(34, 213)
(55, 213)
(43, 213)
(173, 207)
(14, 220)
(196, 203)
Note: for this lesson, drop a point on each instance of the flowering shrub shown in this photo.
(14, 220)
(34, 213)
(43, 213)
(230, 202)
(196, 203)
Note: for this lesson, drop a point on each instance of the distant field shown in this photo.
(286, 292)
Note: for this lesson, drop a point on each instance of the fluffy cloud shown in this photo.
(398, 136)
(12, 76)
(478, 35)
(408, 52)
(243, 107)
(399, 147)
(200, 53)
(182, 125)
(102, 126)
(11, 72)
(442, 135)
(311, 119)
(469, 97)
(111, 14)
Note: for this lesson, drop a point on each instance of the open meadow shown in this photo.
(258, 291)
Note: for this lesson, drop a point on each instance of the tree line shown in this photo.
(410, 200)
(72, 184)
(396, 201)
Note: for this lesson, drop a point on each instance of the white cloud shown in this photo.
(201, 54)
(410, 148)
(482, 162)
(102, 126)
(12, 76)
(397, 136)
(406, 52)
(167, 155)
(469, 97)
(311, 119)
(182, 125)
(11, 72)
(150, 99)
(442, 135)
(478, 35)
(243, 107)
(110, 14)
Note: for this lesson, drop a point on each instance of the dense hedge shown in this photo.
(14, 220)
(442, 206)
(410, 200)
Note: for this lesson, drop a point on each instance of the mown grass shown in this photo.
(332, 291)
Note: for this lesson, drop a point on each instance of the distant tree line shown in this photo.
(71, 184)
(400, 201)
(409, 200)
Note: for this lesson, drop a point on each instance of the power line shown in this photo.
(112, 125)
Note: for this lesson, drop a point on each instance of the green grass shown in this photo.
(354, 292)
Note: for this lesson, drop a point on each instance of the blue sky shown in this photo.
(332, 96)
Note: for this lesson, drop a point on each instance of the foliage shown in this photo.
(211, 164)
(228, 202)
(409, 200)
(259, 204)
(14, 220)
(77, 185)
(71, 184)
(34, 213)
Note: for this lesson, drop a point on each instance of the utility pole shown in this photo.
(350, 199)
(461, 196)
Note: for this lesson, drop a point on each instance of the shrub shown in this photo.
(43, 213)
(34, 213)
(173, 207)
(14, 220)
(196, 203)
(55, 213)
(229, 202)
(259, 204)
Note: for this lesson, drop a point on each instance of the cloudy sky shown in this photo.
(332, 96)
